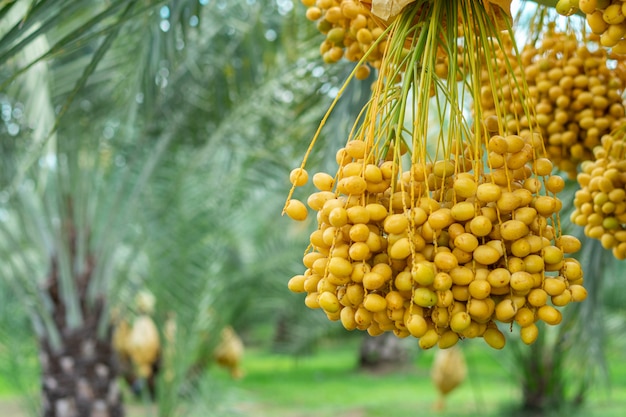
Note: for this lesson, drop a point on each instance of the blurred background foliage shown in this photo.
(172, 127)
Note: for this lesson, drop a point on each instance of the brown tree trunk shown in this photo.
(385, 352)
(79, 378)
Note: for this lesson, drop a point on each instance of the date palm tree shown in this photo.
(144, 145)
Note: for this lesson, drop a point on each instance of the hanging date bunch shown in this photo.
(432, 226)
(350, 31)
(575, 92)
(606, 18)
(600, 204)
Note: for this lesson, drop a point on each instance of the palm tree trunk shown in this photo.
(385, 352)
(79, 379)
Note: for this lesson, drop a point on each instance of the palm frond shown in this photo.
(167, 168)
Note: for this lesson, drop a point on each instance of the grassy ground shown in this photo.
(328, 384)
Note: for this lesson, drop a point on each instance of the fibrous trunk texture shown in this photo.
(79, 378)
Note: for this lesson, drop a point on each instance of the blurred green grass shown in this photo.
(328, 383)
